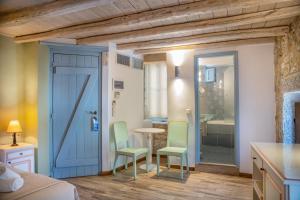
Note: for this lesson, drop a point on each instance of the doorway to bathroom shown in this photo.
(216, 108)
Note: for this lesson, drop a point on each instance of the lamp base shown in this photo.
(14, 140)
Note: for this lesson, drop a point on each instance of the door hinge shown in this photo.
(54, 70)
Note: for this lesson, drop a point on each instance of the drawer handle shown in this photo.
(254, 158)
(9, 162)
(21, 154)
(262, 169)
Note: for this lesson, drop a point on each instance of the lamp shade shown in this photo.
(14, 127)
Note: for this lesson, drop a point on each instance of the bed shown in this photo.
(37, 187)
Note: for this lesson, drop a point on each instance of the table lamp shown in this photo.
(14, 127)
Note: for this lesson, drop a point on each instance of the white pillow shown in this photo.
(9, 174)
(11, 185)
(10, 181)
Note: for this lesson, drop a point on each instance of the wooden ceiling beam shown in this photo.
(50, 9)
(146, 17)
(225, 22)
(208, 38)
(215, 45)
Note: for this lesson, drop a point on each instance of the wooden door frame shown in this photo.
(73, 49)
(236, 103)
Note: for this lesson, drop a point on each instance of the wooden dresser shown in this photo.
(20, 157)
(276, 171)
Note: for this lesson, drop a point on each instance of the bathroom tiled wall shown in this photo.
(217, 99)
(213, 98)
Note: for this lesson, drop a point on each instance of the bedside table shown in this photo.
(20, 157)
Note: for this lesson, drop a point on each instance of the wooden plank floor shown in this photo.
(196, 185)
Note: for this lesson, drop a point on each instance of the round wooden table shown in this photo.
(149, 132)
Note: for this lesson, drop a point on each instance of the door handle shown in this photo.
(93, 112)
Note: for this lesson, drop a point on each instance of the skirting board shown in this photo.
(221, 169)
(245, 175)
(209, 168)
(107, 173)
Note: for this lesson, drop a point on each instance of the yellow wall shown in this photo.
(11, 86)
(24, 95)
(30, 63)
(43, 109)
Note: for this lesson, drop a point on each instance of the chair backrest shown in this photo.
(120, 135)
(177, 134)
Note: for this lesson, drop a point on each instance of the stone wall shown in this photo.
(160, 139)
(287, 70)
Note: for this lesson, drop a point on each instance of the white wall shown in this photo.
(229, 93)
(129, 105)
(181, 97)
(256, 97)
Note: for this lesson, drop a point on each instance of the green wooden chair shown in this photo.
(123, 149)
(177, 144)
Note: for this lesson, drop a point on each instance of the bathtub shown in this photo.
(220, 127)
(218, 132)
(221, 122)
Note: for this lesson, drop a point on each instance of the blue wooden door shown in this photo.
(75, 103)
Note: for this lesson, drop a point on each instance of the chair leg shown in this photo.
(126, 162)
(115, 163)
(168, 158)
(147, 162)
(181, 166)
(158, 163)
(134, 167)
(187, 162)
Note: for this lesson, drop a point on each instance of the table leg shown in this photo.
(152, 167)
(149, 139)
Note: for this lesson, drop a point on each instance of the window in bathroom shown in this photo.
(155, 99)
(210, 74)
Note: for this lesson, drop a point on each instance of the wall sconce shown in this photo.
(176, 71)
